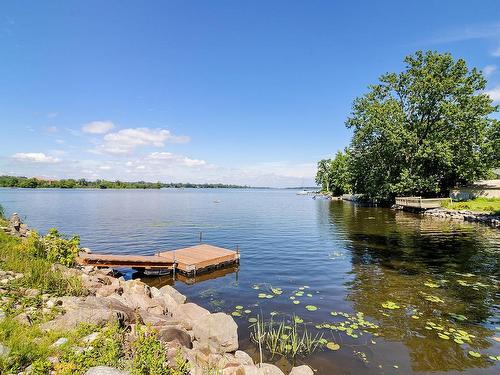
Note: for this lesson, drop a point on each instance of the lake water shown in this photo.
(428, 288)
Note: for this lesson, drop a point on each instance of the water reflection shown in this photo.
(438, 282)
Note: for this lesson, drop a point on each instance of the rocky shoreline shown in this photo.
(207, 341)
(465, 215)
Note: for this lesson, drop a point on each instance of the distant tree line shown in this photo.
(418, 132)
(25, 182)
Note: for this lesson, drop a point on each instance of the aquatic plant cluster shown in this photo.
(290, 335)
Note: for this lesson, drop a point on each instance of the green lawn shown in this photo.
(491, 205)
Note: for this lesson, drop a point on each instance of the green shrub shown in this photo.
(106, 350)
(59, 249)
(39, 273)
(149, 356)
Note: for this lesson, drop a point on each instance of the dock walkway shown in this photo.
(189, 260)
(420, 203)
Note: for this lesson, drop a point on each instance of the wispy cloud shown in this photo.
(467, 32)
(496, 52)
(98, 127)
(494, 94)
(34, 157)
(126, 140)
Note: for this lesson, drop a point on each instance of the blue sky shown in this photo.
(240, 92)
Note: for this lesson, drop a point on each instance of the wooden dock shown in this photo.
(420, 203)
(187, 261)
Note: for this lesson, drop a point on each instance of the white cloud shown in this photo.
(34, 157)
(104, 167)
(98, 127)
(489, 69)
(496, 52)
(494, 94)
(126, 140)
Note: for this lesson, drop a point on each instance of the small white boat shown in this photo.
(303, 192)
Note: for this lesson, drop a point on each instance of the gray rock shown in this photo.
(302, 370)
(60, 342)
(2, 315)
(170, 334)
(105, 370)
(243, 358)
(168, 290)
(189, 313)
(4, 351)
(91, 338)
(93, 310)
(268, 369)
(217, 331)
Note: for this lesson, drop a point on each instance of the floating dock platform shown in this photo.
(187, 261)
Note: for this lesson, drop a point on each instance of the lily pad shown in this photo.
(311, 308)
(333, 346)
(252, 320)
(296, 302)
(235, 313)
(248, 311)
(474, 354)
(298, 319)
(390, 305)
(239, 307)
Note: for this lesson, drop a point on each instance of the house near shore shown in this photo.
(483, 188)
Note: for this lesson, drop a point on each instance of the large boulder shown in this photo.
(168, 297)
(302, 370)
(189, 313)
(269, 369)
(179, 335)
(168, 290)
(217, 331)
(243, 358)
(92, 310)
(105, 370)
(137, 295)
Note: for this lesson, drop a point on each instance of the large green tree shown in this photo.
(424, 130)
(333, 174)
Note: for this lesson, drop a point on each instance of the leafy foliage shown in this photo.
(150, 356)
(418, 132)
(106, 350)
(423, 130)
(24, 182)
(333, 174)
(29, 257)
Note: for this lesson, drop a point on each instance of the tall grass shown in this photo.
(283, 338)
(39, 273)
(491, 205)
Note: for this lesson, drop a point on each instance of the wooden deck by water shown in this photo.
(420, 203)
(189, 260)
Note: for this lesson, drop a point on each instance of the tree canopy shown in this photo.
(423, 130)
(333, 174)
(24, 182)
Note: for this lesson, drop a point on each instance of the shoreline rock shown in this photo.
(465, 215)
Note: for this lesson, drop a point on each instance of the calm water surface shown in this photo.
(430, 288)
